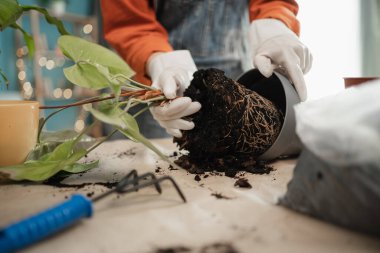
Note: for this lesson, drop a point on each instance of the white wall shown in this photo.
(331, 31)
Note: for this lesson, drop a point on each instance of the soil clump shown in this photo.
(234, 126)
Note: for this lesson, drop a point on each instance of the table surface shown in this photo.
(246, 220)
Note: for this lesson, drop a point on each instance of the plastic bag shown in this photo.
(337, 176)
(343, 129)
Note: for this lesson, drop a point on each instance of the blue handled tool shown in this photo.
(35, 228)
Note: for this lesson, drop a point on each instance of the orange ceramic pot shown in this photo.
(18, 130)
(352, 81)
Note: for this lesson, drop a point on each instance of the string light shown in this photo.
(67, 93)
(28, 93)
(19, 52)
(87, 28)
(20, 63)
(25, 50)
(79, 125)
(57, 93)
(27, 86)
(42, 61)
(21, 75)
(50, 64)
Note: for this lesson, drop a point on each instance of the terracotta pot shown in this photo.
(18, 130)
(352, 81)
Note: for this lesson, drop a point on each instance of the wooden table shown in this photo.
(246, 220)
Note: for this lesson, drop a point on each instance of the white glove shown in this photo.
(276, 47)
(171, 73)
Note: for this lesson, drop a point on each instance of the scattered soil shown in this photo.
(57, 179)
(172, 168)
(129, 152)
(90, 194)
(219, 195)
(219, 248)
(179, 249)
(213, 248)
(234, 126)
(174, 154)
(243, 183)
(108, 185)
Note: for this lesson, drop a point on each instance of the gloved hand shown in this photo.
(276, 47)
(171, 72)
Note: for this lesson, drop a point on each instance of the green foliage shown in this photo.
(27, 38)
(63, 157)
(10, 11)
(50, 19)
(94, 65)
(97, 67)
(110, 113)
(50, 140)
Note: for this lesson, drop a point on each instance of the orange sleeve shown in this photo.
(285, 11)
(130, 26)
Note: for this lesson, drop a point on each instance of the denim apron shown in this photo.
(214, 31)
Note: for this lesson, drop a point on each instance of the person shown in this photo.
(165, 42)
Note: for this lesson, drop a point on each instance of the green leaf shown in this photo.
(28, 39)
(34, 171)
(125, 123)
(86, 75)
(63, 157)
(10, 11)
(50, 140)
(109, 113)
(81, 167)
(41, 150)
(4, 78)
(50, 19)
(80, 50)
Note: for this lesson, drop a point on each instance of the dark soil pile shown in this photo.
(234, 126)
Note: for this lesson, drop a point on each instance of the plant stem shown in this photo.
(139, 112)
(133, 81)
(44, 122)
(95, 99)
(100, 142)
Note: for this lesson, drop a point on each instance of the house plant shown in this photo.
(19, 119)
(251, 123)
(94, 67)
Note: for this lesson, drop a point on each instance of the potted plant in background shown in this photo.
(19, 119)
(94, 67)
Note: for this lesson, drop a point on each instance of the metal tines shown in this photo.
(133, 182)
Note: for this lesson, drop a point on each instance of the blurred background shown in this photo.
(343, 35)
(41, 77)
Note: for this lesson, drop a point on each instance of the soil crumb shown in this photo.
(219, 195)
(243, 183)
(179, 249)
(219, 248)
(197, 178)
(90, 194)
(175, 153)
(234, 126)
(129, 152)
